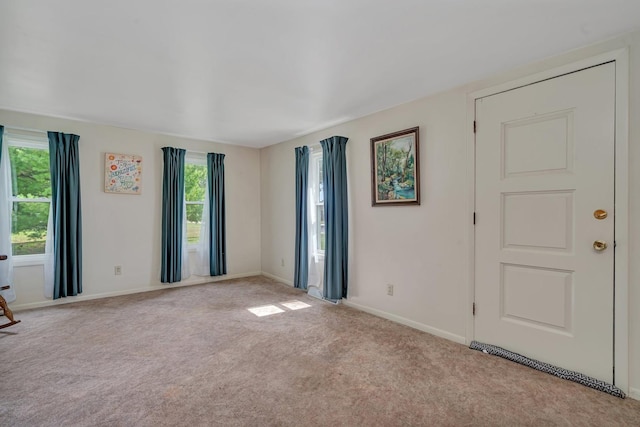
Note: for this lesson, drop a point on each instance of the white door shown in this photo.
(544, 165)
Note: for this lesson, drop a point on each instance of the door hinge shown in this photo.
(474, 126)
(474, 218)
(474, 309)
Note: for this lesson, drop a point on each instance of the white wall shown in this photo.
(125, 229)
(424, 250)
(419, 249)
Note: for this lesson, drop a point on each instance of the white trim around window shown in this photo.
(32, 140)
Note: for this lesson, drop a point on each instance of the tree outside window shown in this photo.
(195, 184)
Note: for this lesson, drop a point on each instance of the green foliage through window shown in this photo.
(31, 192)
(195, 184)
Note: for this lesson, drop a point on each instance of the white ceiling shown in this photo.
(257, 72)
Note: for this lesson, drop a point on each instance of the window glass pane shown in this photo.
(30, 172)
(194, 219)
(195, 182)
(29, 227)
(320, 189)
(321, 228)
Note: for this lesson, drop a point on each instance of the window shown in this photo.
(317, 201)
(31, 193)
(195, 185)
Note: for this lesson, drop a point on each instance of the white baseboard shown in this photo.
(277, 279)
(404, 321)
(634, 393)
(193, 280)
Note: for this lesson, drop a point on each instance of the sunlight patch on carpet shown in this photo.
(268, 310)
(265, 310)
(295, 305)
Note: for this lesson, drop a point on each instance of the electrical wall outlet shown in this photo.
(282, 262)
(117, 270)
(390, 289)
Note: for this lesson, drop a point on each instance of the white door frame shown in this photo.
(621, 259)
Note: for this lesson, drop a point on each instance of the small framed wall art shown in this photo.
(122, 173)
(395, 168)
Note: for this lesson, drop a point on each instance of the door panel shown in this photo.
(538, 221)
(544, 164)
(539, 144)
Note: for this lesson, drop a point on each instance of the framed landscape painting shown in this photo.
(395, 168)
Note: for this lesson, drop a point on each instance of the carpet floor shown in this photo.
(196, 356)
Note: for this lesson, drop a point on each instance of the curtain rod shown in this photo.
(9, 128)
(194, 151)
(191, 151)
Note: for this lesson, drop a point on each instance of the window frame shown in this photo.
(316, 167)
(198, 160)
(33, 140)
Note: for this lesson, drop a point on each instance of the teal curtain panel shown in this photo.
(301, 262)
(217, 219)
(64, 163)
(336, 211)
(172, 214)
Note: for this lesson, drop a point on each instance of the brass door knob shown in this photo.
(600, 245)
(600, 214)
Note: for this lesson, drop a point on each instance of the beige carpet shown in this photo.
(196, 356)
